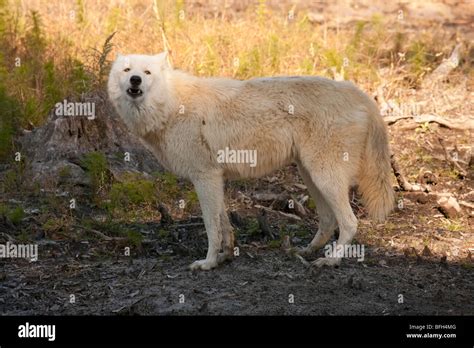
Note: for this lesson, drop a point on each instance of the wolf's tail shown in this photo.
(375, 173)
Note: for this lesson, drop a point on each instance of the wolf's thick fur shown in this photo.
(331, 130)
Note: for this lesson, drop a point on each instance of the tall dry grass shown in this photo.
(56, 49)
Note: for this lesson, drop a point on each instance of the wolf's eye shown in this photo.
(126, 69)
(147, 72)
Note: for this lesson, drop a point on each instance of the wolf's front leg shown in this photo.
(210, 191)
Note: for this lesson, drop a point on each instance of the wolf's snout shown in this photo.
(135, 80)
(134, 91)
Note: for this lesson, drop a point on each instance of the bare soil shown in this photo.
(258, 282)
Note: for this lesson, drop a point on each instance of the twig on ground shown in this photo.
(291, 216)
(466, 123)
(466, 204)
(303, 261)
(99, 234)
(402, 181)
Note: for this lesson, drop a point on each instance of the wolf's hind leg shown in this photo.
(327, 220)
(210, 191)
(335, 191)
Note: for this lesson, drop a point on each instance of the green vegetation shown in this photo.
(97, 168)
(124, 194)
(12, 215)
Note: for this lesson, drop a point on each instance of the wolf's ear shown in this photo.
(163, 60)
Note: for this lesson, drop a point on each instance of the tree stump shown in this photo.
(61, 143)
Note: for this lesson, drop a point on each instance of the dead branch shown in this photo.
(290, 216)
(466, 123)
(303, 261)
(444, 68)
(446, 202)
(466, 204)
(299, 208)
(401, 180)
(99, 234)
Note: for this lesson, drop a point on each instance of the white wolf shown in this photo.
(331, 130)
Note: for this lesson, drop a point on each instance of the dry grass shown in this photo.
(59, 45)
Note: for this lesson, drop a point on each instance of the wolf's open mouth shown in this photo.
(134, 92)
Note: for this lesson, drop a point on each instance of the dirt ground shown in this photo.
(258, 282)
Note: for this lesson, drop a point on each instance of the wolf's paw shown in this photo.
(204, 265)
(327, 261)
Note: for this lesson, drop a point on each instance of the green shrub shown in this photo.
(14, 215)
(97, 168)
(137, 192)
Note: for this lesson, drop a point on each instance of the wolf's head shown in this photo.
(136, 75)
(137, 87)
